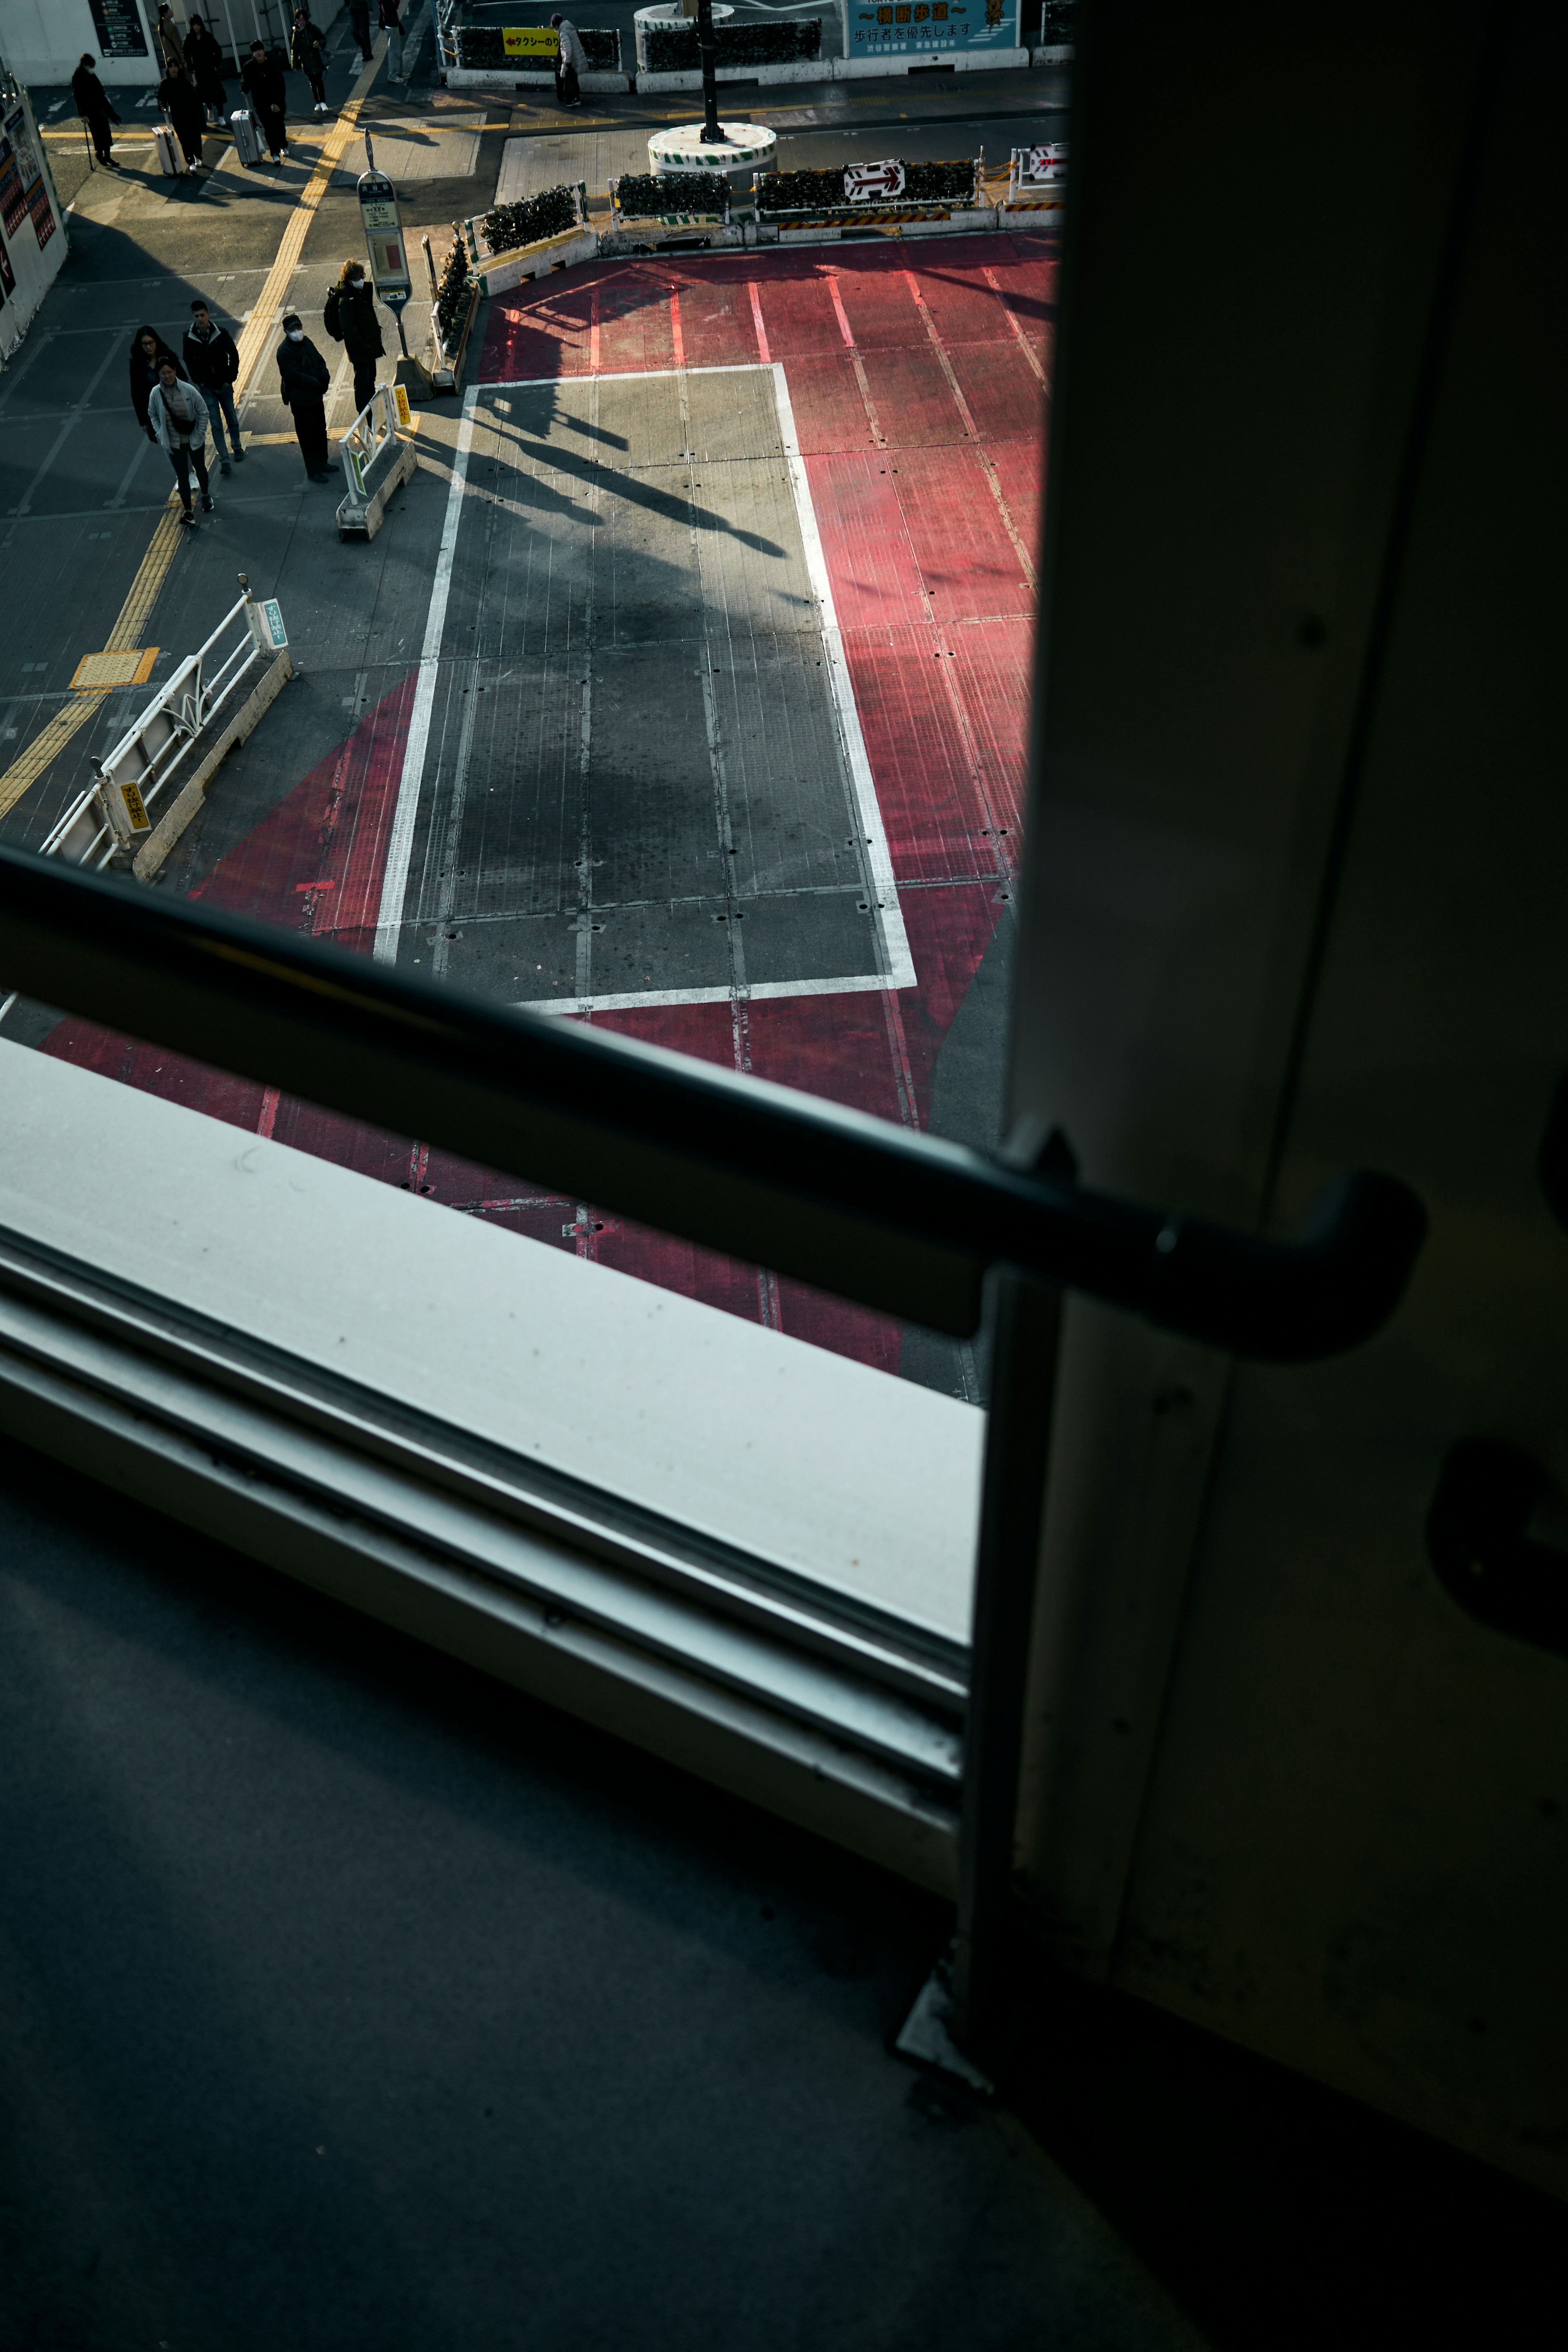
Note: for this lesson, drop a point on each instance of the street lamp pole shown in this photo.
(709, 47)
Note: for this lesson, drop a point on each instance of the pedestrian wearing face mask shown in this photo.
(148, 349)
(303, 377)
(350, 319)
(178, 418)
(211, 363)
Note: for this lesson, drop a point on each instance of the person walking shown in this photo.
(570, 60)
(350, 318)
(170, 46)
(359, 19)
(307, 54)
(177, 418)
(303, 377)
(183, 109)
(211, 364)
(262, 82)
(148, 351)
(392, 26)
(203, 62)
(92, 103)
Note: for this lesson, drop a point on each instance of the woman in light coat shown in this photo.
(177, 419)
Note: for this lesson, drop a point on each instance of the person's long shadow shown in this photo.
(632, 487)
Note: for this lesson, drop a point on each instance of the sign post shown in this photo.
(384, 241)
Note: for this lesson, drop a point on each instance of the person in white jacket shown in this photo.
(570, 60)
(177, 418)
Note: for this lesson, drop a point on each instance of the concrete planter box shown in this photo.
(495, 274)
(1060, 56)
(878, 68)
(802, 69)
(499, 79)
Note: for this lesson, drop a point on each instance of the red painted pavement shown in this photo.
(918, 520)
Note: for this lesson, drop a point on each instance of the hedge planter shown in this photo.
(547, 232)
(869, 194)
(644, 200)
(673, 48)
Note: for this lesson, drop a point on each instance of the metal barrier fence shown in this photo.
(374, 460)
(114, 816)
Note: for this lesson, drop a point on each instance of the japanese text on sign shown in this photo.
(892, 26)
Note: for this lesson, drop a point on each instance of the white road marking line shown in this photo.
(851, 984)
(400, 847)
(901, 973)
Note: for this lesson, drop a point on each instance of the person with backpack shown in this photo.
(184, 113)
(359, 20)
(92, 103)
(211, 364)
(262, 82)
(204, 59)
(306, 54)
(177, 420)
(148, 353)
(350, 319)
(303, 377)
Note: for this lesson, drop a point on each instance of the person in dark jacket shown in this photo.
(203, 61)
(92, 102)
(307, 54)
(211, 363)
(262, 82)
(351, 320)
(183, 109)
(359, 18)
(303, 377)
(148, 353)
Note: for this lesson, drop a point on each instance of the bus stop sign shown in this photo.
(384, 240)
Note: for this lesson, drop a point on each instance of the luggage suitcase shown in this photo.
(246, 138)
(171, 154)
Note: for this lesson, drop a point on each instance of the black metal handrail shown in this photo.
(893, 1218)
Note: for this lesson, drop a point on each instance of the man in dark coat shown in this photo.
(262, 82)
(184, 111)
(351, 320)
(203, 62)
(91, 102)
(303, 377)
(211, 364)
(359, 17)
(307, 54)
(148, 351)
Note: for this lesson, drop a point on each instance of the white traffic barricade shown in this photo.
(375, 461)
(180, 738)
(1038, 182)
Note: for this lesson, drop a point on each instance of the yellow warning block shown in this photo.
(134, 807)
(99, 673)
(405, 415)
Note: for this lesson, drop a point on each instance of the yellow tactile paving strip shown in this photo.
(131, 627)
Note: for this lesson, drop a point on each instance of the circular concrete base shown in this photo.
(684, 149)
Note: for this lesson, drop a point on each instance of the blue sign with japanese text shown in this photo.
(931, 27)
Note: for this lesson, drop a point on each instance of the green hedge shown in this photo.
(480, 50)
(510, 226)
(819, 191)
(452, 295)
(643, 196)
(673, 48)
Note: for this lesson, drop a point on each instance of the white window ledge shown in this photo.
(748, 1554)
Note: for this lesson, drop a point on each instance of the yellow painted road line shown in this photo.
(137, 610)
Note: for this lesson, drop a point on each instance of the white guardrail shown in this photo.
(374, 460)
(114, 817)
